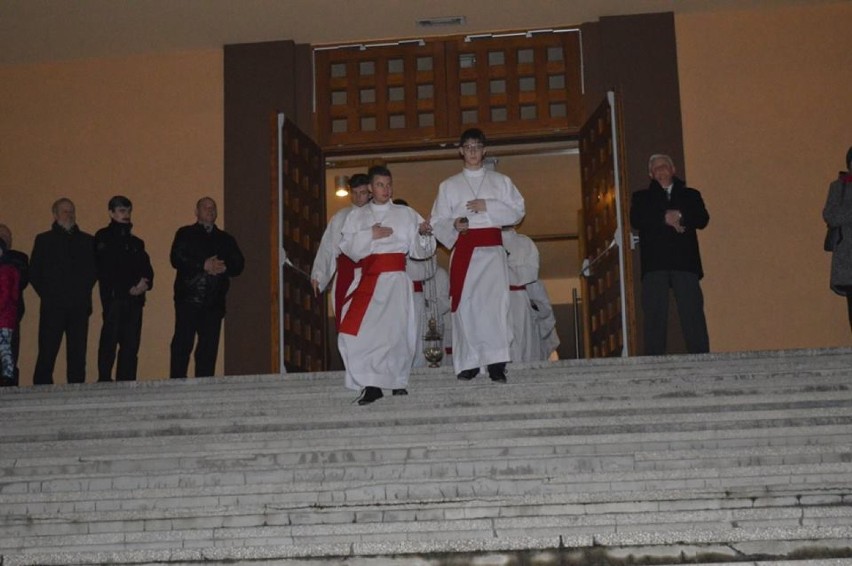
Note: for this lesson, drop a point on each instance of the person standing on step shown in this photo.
(544, 318)
(206, 258)
(837, 213)
(22, 263)
(10, 281)
(668, 215)
(125, 276)
(329, 264)
(378, 324)
(523, 260)
(63, 272)
(467, 217)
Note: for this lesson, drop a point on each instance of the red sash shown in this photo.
(517, 287)
(418, 286)
(463, 251)
(371, 267)
(345, 276)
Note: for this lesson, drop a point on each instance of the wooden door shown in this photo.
(607, 285)
(300, 320)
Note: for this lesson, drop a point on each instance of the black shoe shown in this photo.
(468, 374)
(369, 395)
(400, 391)
(497, 372)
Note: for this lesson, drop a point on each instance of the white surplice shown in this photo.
(523, 261)
(380, 355)
(481, 333)
(544, 318)
(325, 262)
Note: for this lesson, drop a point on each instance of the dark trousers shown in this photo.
(690, 307)
(53, 323)
(848, 289)
(122, 329)
(16, 351)
(206, 323)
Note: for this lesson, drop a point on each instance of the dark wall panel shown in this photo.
(260, 80)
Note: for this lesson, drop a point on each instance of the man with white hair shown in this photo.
(667, 215)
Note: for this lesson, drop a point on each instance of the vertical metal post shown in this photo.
(576, 301)
(282, 369)
(619, 231)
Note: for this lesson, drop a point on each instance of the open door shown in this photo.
(605, 238)
(298, 209)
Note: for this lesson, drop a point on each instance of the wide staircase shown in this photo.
(686, 459)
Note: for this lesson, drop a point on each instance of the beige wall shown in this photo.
(766, 119)
(149, 127)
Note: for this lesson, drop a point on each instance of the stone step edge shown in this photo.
(253, 516)
(521, 448)
(800, 537)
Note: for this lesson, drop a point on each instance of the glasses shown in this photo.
(471, 147)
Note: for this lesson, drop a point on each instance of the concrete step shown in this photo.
(699, 450)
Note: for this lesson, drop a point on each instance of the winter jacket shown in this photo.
(192, 246)
(661, 247)
(62, 268)
(122, 262)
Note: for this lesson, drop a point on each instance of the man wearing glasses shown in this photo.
(467, 217)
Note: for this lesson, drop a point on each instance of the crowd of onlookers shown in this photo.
(63, 268)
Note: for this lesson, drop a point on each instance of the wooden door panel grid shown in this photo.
(413, 92)
(380, 95)
(603, 284)
(303, 212)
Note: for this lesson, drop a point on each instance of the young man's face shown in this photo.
(382, 188)
(121, 214)
(65, 215)
(473, 152)
(360, 195)
(206, 212)
(662, 171)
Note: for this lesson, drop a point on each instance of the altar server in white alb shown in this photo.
(378, 329)
(468, 214)
(544, 318)
(523, 261)
(329, 264)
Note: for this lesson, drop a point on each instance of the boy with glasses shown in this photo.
(467, 217)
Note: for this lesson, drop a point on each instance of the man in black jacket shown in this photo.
(63, 272)
(205, 258)
(667, 215)
(22, 263)
(124, 276)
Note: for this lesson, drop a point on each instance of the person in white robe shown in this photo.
(545, 319)
(523, 260)
(378, 329)
(467, 216)
(329, 265)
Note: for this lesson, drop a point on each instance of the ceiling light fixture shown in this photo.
(341, 186)
(444, 21)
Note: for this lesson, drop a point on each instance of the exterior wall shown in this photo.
(766, 127)
(149, 127)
